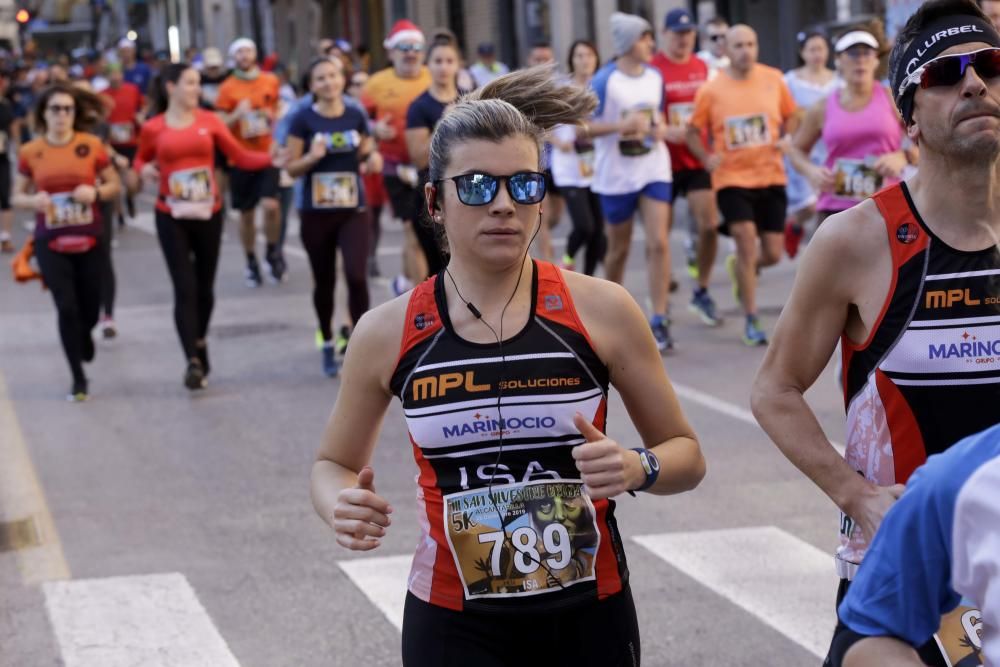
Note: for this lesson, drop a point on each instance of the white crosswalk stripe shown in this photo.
(783, 581)
(153, 621)
(775, 576)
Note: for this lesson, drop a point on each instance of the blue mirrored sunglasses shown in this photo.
(478, 189)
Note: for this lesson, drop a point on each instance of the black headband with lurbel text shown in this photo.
(939, 36)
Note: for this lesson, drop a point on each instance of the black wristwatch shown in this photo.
(650, 465)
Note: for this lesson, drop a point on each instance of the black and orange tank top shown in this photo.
(506, 528)
(929, 373)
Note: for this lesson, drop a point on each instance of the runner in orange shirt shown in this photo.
(248, 100)
(746, 108)
(386, 97)
(63, 175)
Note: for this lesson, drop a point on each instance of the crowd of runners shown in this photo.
(503, 350)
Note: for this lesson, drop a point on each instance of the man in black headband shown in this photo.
(909, 283)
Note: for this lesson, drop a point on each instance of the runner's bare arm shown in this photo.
(834, 284)
(622, 340)
(25, 196)
(358, 515)
(239, 156)
(418, 145)
(882, 652)
(806, 135)
(299, 160)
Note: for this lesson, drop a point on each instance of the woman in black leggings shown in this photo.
(64, 175)
(325, 144)
(177, 151)
(572, 165)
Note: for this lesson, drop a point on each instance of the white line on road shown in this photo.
(725, 407)
(783, 581)
(22, 497)
(383, 581)
(153, 621)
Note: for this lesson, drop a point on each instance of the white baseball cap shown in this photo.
(854, 38)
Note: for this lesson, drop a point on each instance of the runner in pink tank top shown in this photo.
(860, 128)
(854, 141)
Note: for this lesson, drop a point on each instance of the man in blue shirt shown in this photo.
(136, 71)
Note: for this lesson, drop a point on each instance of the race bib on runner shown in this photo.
(634, 145)
(585, 157)
(960, 636)
(335, 189)
(254, 124)
(679, 114)
(548, 540)
(747, 131)
(64, 211)
(121, 133)
(190, 194)
(856, 179)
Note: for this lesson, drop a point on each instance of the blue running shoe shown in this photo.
(703, 306)
(330, 366)
(661, 332)
(753, 335)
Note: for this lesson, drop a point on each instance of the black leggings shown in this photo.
(585, 213)
(75, 283)
(322, 233)
(595, 634)
(191, 249)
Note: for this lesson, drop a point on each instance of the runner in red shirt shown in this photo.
(683, 74)
(181, 140)
(124, 119)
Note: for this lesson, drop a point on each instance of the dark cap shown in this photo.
(679, 20)
(486, 49)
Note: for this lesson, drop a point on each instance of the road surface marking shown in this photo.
(22, 498)
(785, 582)
(737, 412)
(383, 581)
(153, 621)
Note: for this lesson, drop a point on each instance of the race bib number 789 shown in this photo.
(528, 539)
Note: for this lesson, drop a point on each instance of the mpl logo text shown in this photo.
(435, 386)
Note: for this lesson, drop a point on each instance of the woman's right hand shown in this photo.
(821, 178)
(361, 516)
(42, 201)
(317, 149)
(150, 173)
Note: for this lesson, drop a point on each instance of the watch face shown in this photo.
(654, 462)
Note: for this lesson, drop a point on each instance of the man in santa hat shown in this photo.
(386, 96)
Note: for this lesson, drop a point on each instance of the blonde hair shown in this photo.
(525, 103)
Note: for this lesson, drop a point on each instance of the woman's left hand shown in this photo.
(891, 165)
(601, 462)
(85, 194)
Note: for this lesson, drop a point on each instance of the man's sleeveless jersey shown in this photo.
(929, 373)
(537, 541)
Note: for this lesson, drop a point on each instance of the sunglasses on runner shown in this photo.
(59, 108)
(407, 48)
(478, 189)
(949, 70)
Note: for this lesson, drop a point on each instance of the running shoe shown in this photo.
(87, 350)
(703, 306)
(276, 266)
(6, 245)
(674, 285)
(78, 393)
(194, 376)
(330, 366)
(731, 270)
(661, 332)
(793, 237)
(568, 263)
(401, 285)
(753, 335)
(253, 273)
(340, 343)
(108, 329)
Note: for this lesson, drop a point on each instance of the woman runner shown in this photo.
(327, 143)
(503, 368)
(63, 176)
(860, 127)
(177, 151)
(572, 166)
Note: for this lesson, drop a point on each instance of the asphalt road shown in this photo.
(147, 480)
